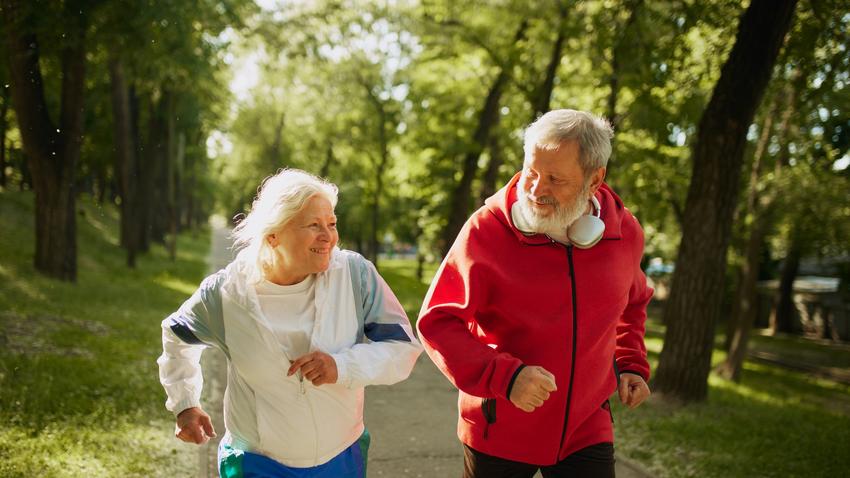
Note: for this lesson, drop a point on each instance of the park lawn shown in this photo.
(400, 274)
(79, 391)
(776, 422)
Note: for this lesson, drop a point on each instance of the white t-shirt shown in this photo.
(291, 312)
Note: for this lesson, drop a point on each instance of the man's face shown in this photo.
(553, 191)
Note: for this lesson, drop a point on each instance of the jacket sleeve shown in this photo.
(388, 350)
(630, 353)
(197, 324)
(447, 319)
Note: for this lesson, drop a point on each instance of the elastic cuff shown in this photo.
(184, 404)
(513, 379)
(633, 373)
(342, 375)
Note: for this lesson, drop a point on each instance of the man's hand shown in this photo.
(633, 390)
(194, 426)
(532, 387)
(317, 367)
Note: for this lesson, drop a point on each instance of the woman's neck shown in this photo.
(280, 276)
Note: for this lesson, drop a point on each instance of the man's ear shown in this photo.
(596, 179)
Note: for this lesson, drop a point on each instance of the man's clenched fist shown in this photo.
(532, 387)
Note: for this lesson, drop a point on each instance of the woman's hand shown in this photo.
(317, 367)
(194, 426)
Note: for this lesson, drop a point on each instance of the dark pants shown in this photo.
(596, 461)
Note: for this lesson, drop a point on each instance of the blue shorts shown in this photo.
(351, 463)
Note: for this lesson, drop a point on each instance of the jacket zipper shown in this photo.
(573, 362)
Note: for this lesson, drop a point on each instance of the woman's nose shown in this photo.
(325, 234)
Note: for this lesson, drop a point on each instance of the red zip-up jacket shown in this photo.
(502, 300)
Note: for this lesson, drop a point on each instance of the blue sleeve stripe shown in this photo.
(382, 332)
(182, 330)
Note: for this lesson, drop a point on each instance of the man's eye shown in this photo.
(332, 225)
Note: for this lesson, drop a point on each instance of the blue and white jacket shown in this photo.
(359, 321)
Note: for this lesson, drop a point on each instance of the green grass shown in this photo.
(776, 422)
(400, 274)
(79, 391)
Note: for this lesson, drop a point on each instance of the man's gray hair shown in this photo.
(593, 134)
(279, 198)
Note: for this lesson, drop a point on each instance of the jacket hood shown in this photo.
(500, 204)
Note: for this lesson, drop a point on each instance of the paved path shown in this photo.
(213, 362)
(412, 423)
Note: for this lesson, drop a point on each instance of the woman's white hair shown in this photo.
(279, 198)
(555, 127)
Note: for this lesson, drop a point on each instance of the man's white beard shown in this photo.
(555, 224)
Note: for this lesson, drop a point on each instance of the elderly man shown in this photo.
(537, 312)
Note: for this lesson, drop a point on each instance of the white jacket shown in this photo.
(358, 321)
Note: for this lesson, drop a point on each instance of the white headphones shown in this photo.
(587, 230)
(584, 233)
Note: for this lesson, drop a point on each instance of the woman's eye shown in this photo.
(332, 225)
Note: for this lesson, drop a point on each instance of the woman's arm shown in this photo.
(185, 333)
(390, 348)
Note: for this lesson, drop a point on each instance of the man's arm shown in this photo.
(446, 322)
(631, 327)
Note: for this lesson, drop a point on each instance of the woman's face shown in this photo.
(303, 246)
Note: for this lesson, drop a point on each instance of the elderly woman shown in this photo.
(304, 326)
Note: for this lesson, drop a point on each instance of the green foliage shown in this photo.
(79, 394)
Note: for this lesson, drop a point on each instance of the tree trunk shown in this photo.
(150, 163)
(744, 216)
(491, 174)
(760, 213)
(383, 160)
(125, 162)
(633, 7)
(544, 93)
(695, 299)
(489, 116)
(782, 319)
(329, 159)
(176, 143)
(4, 110)
(52, 150)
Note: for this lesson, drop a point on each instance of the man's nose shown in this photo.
(538, 188)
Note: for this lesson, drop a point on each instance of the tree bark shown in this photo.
(4, 110)
(759, 210)
(489, 116)
(544, 93)
(379, 167)
(125, 160)
(52, 150)
(329, 159)
(697, 290)
(782, 319)
(491, 174)
(633, 7)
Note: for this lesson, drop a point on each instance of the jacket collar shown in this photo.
(500, 205)
(239, 288)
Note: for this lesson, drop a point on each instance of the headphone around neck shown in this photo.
(584, 233)
(587, 230)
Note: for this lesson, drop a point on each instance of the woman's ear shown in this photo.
(272, 239)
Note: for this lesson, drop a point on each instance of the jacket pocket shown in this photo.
(488, 408)
(607, 406)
